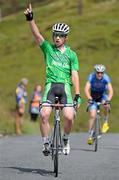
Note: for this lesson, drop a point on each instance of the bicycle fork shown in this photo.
(57, 123)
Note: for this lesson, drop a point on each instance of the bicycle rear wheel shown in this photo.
(56, 148)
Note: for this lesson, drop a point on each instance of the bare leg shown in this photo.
(92, 114)
(106, 113)
(68, 113)
(18, 123)
(105, 126)
(44, 123)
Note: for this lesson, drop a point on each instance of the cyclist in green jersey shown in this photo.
(61, 72)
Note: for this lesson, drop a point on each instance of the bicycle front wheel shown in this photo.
(56, 148)
(96, 133)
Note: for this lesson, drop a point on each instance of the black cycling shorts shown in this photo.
(60, 90)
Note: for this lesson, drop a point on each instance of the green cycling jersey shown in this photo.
(59, 65)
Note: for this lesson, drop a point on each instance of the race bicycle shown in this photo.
(97, 126)
(56, 144)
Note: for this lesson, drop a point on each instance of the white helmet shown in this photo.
(99, 68)
(61, 27)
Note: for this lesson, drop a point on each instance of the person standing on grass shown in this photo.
(35, 103)
(21, 100)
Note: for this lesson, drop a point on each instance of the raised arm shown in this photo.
(34, 29)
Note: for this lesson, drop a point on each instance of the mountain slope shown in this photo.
(94, 35)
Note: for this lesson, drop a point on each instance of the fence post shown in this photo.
(80, 7)
(0, 15)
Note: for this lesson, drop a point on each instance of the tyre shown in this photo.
(56, 148)
(96, 134)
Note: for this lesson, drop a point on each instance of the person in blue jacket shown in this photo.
(21, 100)
(98, 88)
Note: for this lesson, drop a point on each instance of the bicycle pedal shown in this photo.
(46, 153)
(46, 149)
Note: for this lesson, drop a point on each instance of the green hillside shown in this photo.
(94, 35)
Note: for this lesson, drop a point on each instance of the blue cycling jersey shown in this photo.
(98, 86)
(21, 94)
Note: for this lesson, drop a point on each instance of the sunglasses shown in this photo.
(59, 35)
(99, 72)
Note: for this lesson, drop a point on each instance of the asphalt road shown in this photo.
(21, 159)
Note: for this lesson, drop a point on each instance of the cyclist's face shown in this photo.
(99, 75)
(59, 39)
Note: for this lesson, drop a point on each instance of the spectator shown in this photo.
(21, 100)
(34, 102)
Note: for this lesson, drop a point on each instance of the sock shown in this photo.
(45, 140)
(106, 119)
(90, 133)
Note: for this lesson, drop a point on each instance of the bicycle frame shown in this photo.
(57, 123)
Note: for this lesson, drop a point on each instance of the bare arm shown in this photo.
(87, 90)
(34, 29)
(110, 91)
(75, 81)
(38, 37)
